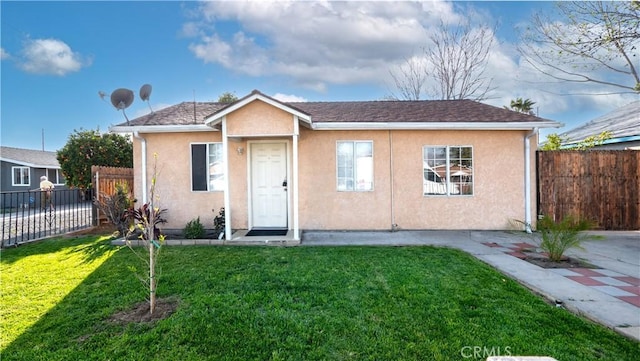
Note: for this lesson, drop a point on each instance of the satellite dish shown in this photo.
(145, 93)
(122, 99)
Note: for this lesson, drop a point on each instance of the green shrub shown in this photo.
(558, 237)
(194, 229)
(115, 207)
(218, 224)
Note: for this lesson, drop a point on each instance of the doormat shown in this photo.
(266, 232)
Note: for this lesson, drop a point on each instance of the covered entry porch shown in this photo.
(260, 144)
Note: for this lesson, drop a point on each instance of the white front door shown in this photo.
(268, 185)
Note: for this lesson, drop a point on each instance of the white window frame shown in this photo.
(58, 175)
(208, 166)
(354, 168)
(450, 188)
(22, 169)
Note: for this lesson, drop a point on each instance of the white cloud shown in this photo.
(4, 54)
(50, 56)
(316, 44)
(190, 29)
(288, 98)
(441, 11)
(213, 50)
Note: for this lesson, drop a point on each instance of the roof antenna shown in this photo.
(122, 99)
(194, 107)
(145, 93)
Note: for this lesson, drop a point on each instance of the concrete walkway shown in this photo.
(609, 294)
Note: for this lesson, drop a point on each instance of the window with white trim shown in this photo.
(207, 167)
(20, 176)
(55, 176)
(354, 165)
(447, 170)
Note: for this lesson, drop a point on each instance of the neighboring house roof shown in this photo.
(341, 115)
(29, 157)
(623, 123)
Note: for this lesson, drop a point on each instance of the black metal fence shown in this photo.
(33, 215)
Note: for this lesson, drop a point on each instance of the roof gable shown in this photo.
(29, 157)
(255, 95)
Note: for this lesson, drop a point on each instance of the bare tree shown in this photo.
(597, 42)
(455, 60)
(459, 57)
(410, 79)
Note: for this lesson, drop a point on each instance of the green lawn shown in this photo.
(271, 303)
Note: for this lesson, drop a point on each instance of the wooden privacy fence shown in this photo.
(105, 181)
(598, 185)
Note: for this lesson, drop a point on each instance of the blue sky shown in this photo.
(57, 56)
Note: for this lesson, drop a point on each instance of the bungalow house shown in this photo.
(21, 169)
(623, 123)
(363, 165)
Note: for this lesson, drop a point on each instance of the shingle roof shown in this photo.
(29, 157)
(622, 122)
(180, 114)
(410, 111)
(353, 112)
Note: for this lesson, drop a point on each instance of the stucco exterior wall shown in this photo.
(238, 184)
(498, 166)
(259, 118)
(498, 182)
(173, 185)
(321, 205)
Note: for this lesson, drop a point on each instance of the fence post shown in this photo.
(95, 195)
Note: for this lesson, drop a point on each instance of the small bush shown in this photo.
(218, 224)
(115, 207)
(194, 229)
(144, 220)
(558, 237)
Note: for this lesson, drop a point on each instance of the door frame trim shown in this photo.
(287, 144)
